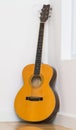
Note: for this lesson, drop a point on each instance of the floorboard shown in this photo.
(24, 126)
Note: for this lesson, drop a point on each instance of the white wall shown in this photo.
(19, 24)
(74, 28)
(66, 69)
(66, 81)
(18, 37)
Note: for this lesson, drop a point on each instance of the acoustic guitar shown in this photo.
(37, 100)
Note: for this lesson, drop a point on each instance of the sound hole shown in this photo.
(36, 81)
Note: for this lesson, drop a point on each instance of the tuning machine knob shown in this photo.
(51, 8)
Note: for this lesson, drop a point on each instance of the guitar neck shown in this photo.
(39, 50)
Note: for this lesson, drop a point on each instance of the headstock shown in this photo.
(45, 13)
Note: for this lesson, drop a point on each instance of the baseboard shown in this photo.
(66, 120)
(61, 119)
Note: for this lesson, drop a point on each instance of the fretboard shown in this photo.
(39, 50)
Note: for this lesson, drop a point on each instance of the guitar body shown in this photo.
(40, 103)
(37, 100)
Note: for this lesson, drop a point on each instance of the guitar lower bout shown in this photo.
(37, 101)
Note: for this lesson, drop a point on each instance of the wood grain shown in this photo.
(24, 126)
(36, 111)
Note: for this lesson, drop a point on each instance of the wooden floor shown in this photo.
(23, 126)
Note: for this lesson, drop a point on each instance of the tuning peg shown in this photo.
(42, 9)
(50, 8)
(49, 12)
(41, 13)
(44, 5)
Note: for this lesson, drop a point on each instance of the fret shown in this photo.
(39, 44)
(37, 67)
(38, 59)
(39, 50)
(40, 41)
(40, 35)
(38, 62)
(38, 55)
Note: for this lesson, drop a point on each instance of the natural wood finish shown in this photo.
(24, 126)
(36, 111)
(37, 100)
